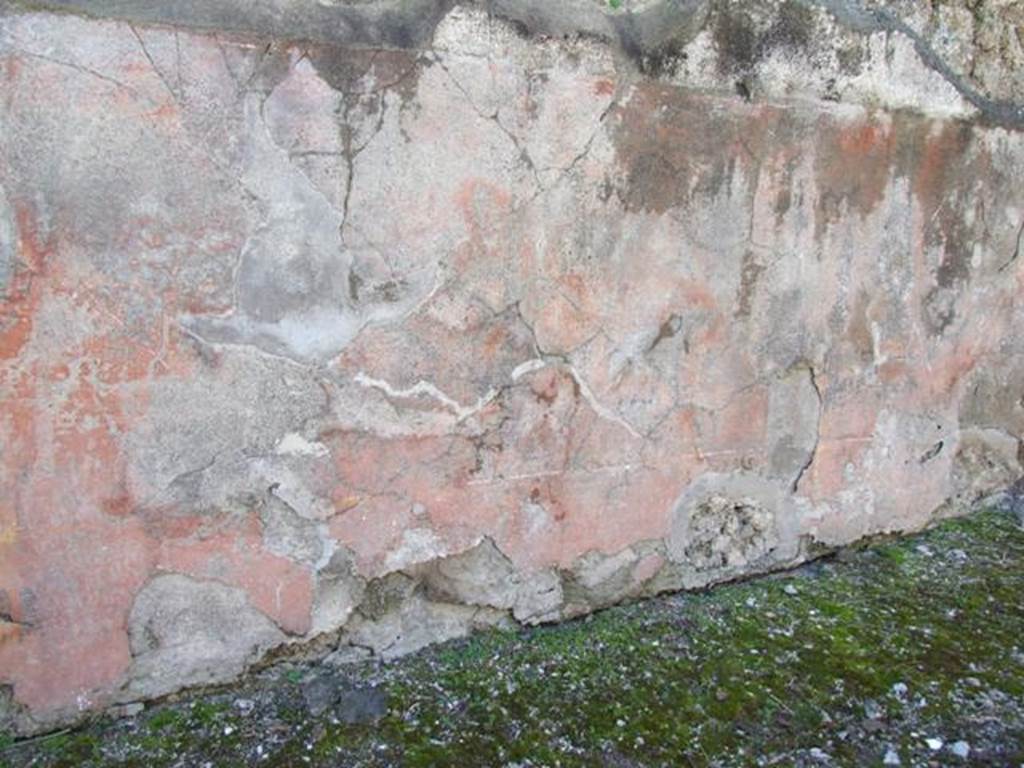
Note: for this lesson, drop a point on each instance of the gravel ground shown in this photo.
(908, 652)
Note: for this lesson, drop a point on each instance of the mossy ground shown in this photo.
(840, 663)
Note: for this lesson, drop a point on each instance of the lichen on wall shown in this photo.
(338, 328)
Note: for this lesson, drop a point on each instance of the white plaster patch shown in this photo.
(419, 545)
(294, 444)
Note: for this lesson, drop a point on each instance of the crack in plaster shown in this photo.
(1016, 249)
(817, 429)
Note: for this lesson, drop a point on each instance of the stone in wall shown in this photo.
(343, 328)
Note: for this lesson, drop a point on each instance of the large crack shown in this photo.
(81, 69)
(1016, 249)
(817, 431)
(156, 70)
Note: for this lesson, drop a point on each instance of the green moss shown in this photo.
(207, 712)
(64, 749)
(163, 719)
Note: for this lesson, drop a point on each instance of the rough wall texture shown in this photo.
(357, 325)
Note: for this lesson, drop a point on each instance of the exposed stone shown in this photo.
(961, 749)
(725, 525)
(386, 595)
(287, 534)
(348, 704)
(415, 622)
(362, 705)
(598, 580)
(986, 459)
(728, 532)
(321, 692)
(480, 576)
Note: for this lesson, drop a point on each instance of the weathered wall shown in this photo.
(373, 323)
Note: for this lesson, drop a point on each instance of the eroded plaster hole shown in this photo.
(727, 532)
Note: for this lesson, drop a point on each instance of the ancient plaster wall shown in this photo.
(350, 326)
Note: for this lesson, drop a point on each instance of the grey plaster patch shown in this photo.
(292, 280)
(288, 534)
(481, 575)
(203, 457)
(187, 632)
(416, 622)
(302, 287)
(598, 579)
(339, 590)
(865, 19)
(390, 23)
(539, 598)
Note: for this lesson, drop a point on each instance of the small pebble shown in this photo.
(819, 754)
(960, 748)
(934, 744)
(957, 555)
(872, 710)
(789, 589)
(245, 705)
(899, 690)
(891, 758)
(228, 730)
